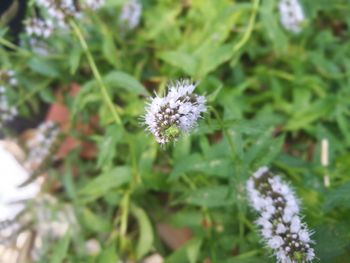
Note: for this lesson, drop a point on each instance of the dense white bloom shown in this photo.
(7, 111)
(58, 11)
(40, 146)
(39, 27)
(292, 15)
(131, 14)
(177, 112)
(279, 222)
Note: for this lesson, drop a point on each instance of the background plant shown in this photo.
(272, 96)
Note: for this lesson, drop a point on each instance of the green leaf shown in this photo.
(104, 183)
(214, 57)
(44, 67)
(109, 49)
(109, 255)
(119, 79)
(74, 60)
(193, 249)
(213, 196)
(184, 165)
(95, 222)
(189, 252)
(180, 59)
(338, 197)
(146, 239)
(60, 251)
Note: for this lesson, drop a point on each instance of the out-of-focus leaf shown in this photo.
(119, 79)
(60, 251)
(214, 196)
(43, 67)
(184, 61)
(338, 197)
(187, 253)
(108, 255)
(104, 183)
(95, 222)
(145, 241)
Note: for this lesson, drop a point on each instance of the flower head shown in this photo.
(7, 111)
(279, 222)
(58, 11)
(40, 146)
(39, 27)
(175, 113)
(131, 14)
(292, 15)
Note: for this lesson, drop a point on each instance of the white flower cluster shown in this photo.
(59, 10)
(55, 16)
(39, 28)
(177, 112)
(131, 14)
(40, 146)
(7, 111)
(292, 15)
(280, 223)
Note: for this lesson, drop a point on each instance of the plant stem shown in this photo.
(96, 72)
(249, 31)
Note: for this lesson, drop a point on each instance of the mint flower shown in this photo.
(178, 112)
(292, 15)
(7, 111)
(280, 223)
(40, 146)
(38, 27)
(131, 14)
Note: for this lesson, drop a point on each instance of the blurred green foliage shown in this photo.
(273, 96)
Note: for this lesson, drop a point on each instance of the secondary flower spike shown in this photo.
(280, 223)
(178, 112)
(292, 15)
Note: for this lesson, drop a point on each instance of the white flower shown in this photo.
(280, 229)
(131, 14)
(275, 242)
(7, 111)
(39, 27)
(279, 221)
(40, 145)
(58, 11)
(292, 15)
(176, 113)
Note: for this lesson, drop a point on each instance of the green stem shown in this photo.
(249, 31)
(96, 72)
